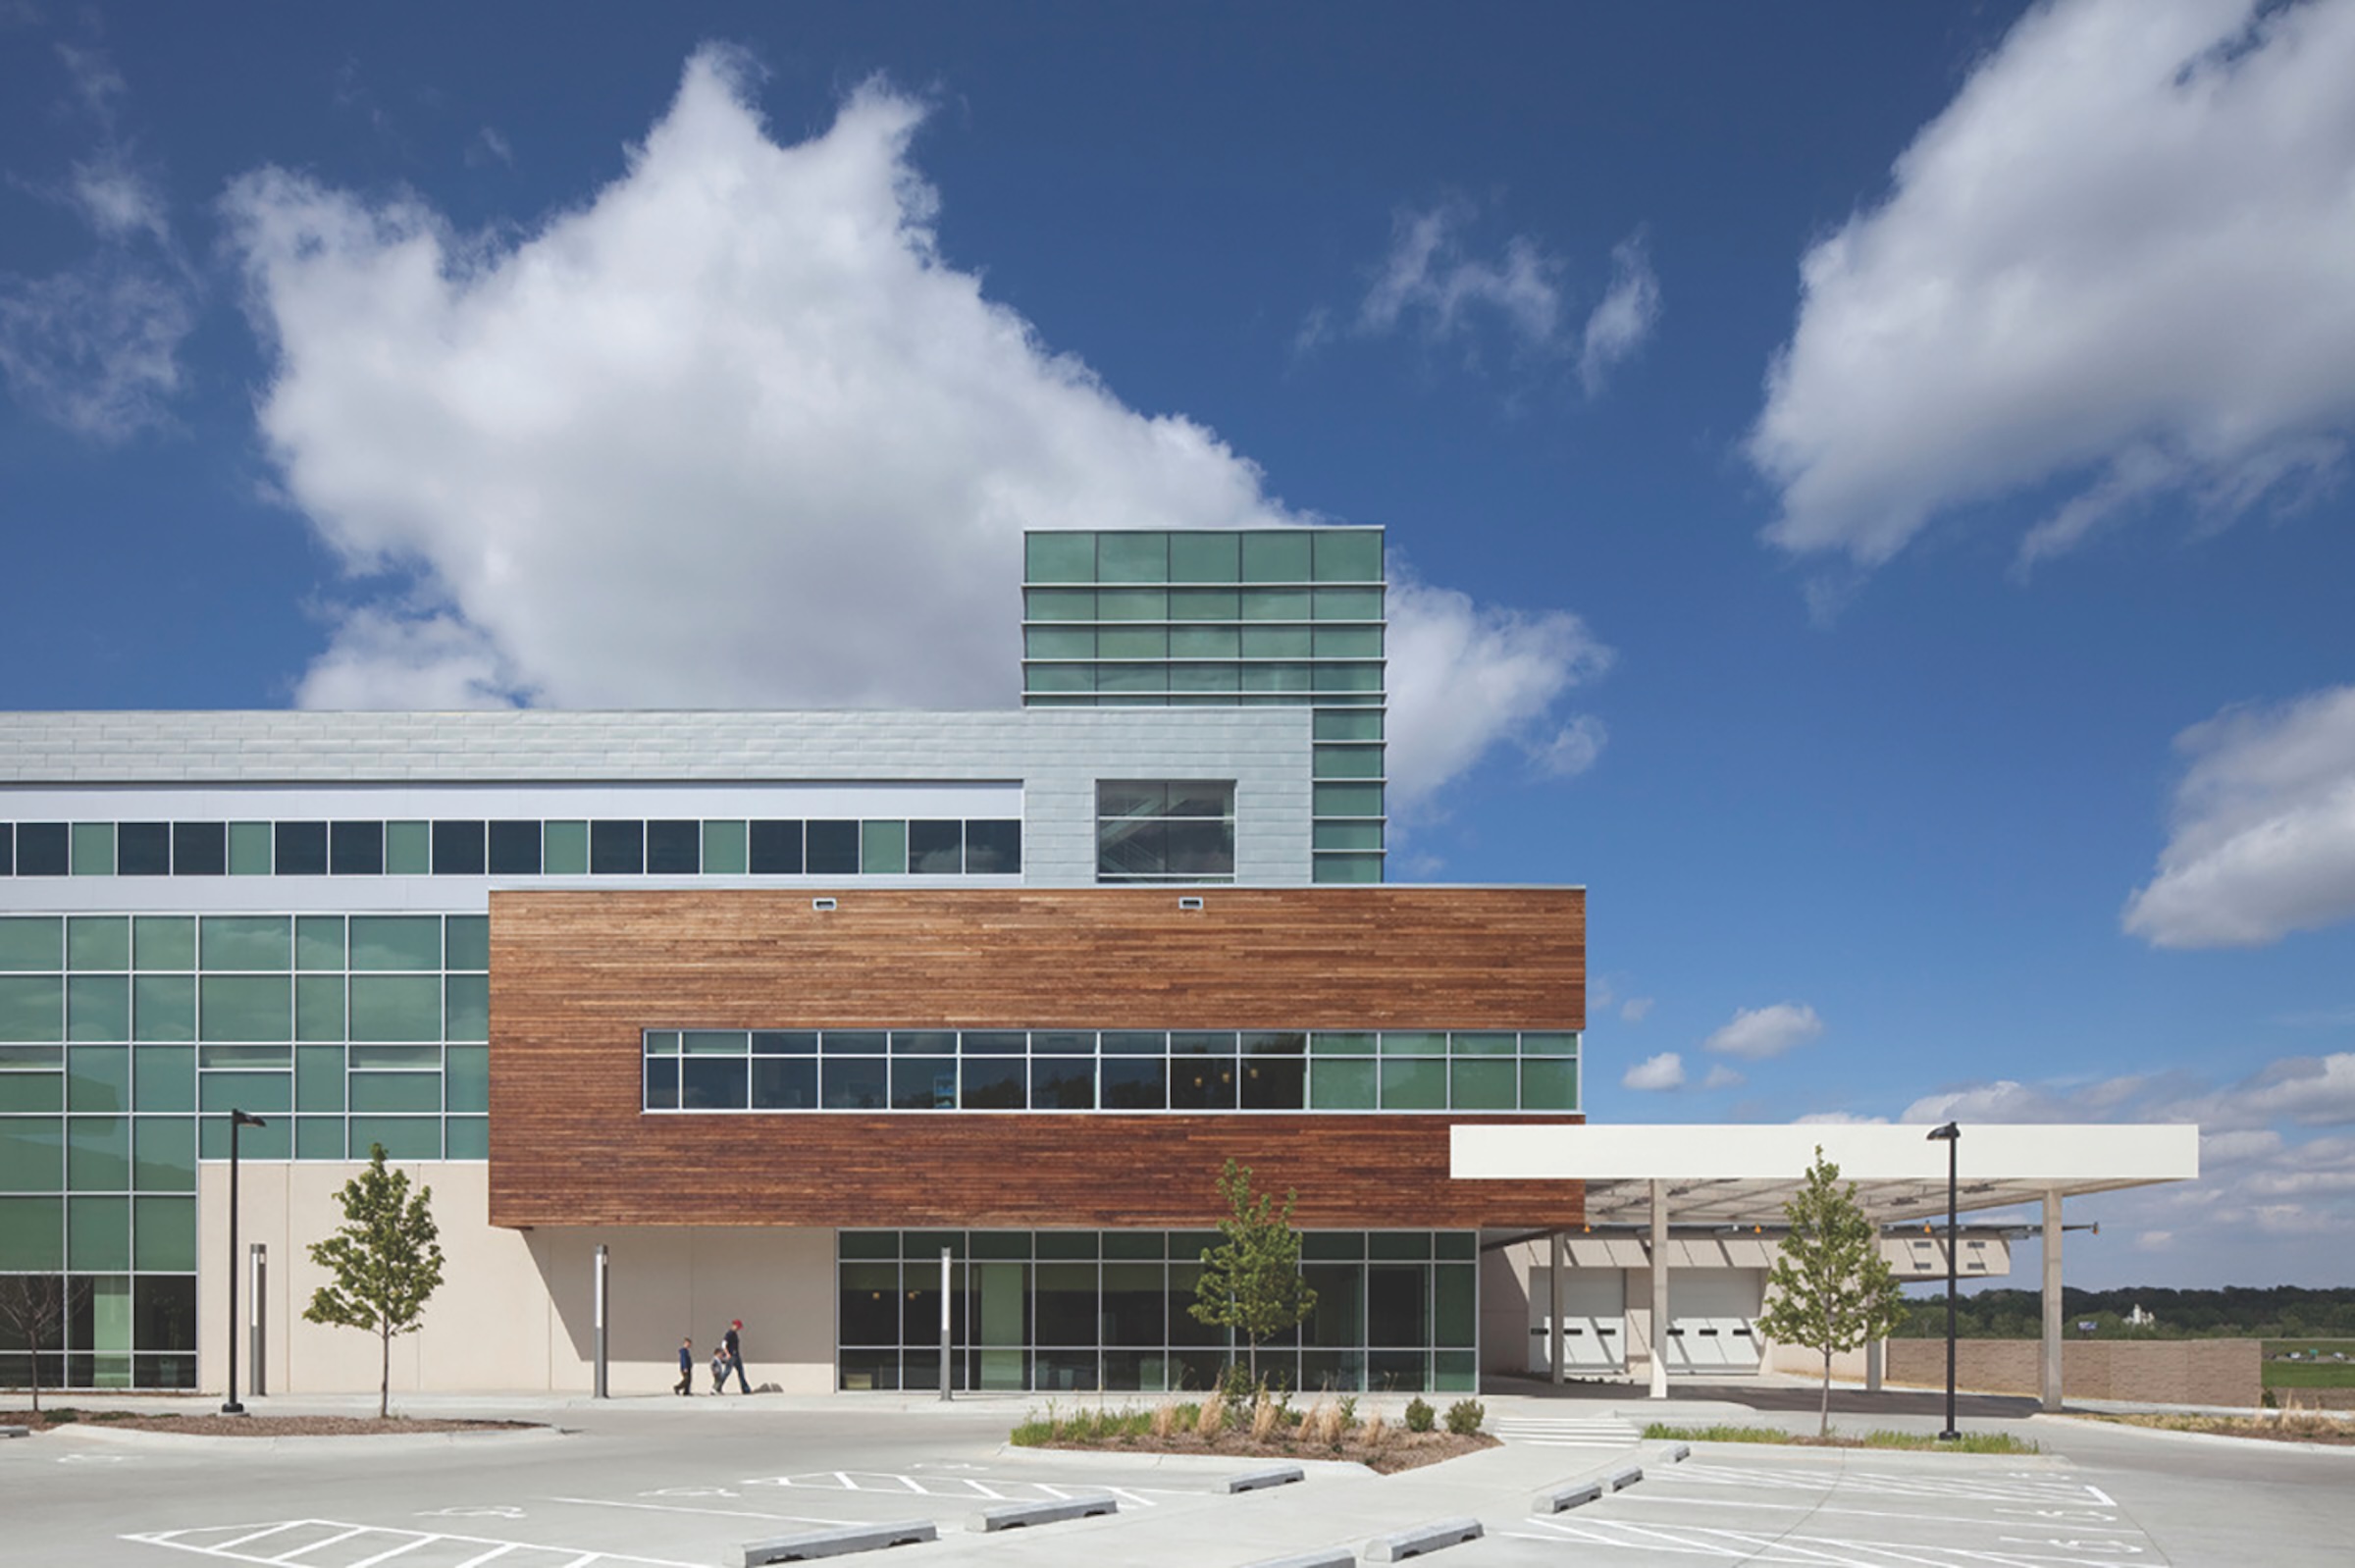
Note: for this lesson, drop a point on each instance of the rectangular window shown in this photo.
(776, 849)
(515, 849)
(458, 848)
(936, 849)
(616, 849)
(1162, 831)
(993, 848)
(833, 849)
(143, 849)
(43, 848)
(301, 849)
(200, 849)
(568, 846)
(408, 852)
(355, 849)
(674, 849)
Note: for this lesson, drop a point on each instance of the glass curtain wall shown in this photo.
(1086, 1310)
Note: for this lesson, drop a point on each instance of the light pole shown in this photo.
(1951, 1136)
(236, 1119)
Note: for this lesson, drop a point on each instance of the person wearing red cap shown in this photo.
(734, 1344)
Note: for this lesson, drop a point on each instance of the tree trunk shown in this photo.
(1823, 1428)
(36, 1373)
(384, 1382)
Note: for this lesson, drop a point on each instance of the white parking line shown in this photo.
(225, 1542)
(716, 1513)
(961, 1488)
(1821, 1551)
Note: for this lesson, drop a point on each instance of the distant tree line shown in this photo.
(2272, 1312)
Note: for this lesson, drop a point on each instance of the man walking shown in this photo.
(686, 1382)
(735, 1348)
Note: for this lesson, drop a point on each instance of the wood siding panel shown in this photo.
(576, 977)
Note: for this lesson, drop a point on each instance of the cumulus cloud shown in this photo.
(2117, 261)
(1756, 1033)
(1635, 1009)
(96, 347)
(1630, 309)
(1721, 1076)
(733, 432)
(2262, 839)
(1656, 1072)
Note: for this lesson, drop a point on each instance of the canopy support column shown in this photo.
(1560, 1288)
(1659, 1290)
(2052, 1298)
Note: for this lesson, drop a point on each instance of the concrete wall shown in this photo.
(515, 1312)
(2158, 1371)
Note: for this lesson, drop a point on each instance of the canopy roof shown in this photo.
(1742, 1174)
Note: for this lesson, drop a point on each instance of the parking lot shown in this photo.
(651, 1483)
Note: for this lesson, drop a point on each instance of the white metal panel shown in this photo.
(1594, 1321)
(1713, 1320)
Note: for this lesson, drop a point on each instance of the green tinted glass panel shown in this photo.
(265, 1093)
(33, 1155)
(396, 1007)
(396, 942)
(1060, 642)
(1060, 604)
(98, 1154)
(32, 943)
(1355, 869)
(1347, 799)
(1060, 678)
(1132, 641)
(93, 849)
(1331, 1042)
(564, 849)
(724, 855)
(1059, 557)
(1275, 604)
(163, 942)
(466, 1010)
(163, 1007)
(33, 1008)
(469, 1138)
(1485, 1085)
(210, 1057)
(1275, 642)
(467, 945)
(1205, 678)
(1347, 761)
(1348, 642)
(395, 1091)
(32, 1091)
(1455, 1372)
(1346, 835)
(1204, 603)
(1341, 1085)
(1413, 1042)
(1348, 677)
(1122, 558)
(408, 852)
(32, 1234)
(1347, 603)
(164, 1234)
(1356, 724)
(404, 1137)
(467, 1077)
(319, 942)
(319, 1006)
(1205, 558)
(1348, 555)
(1205, 642)
(319, 1081)
(1277, 556)
(97, 1233)
(882, 846)
(249, 849)
(98, 1007)
(98, 942)
(1550, 1085)
(1132, 605)
(244, 1007)
(165, 1149)
(165, 1078)
(1132, 678)
(1466, 1042)
(247, 942)
(319, 1137)
(1562, 1043)
(1455, 1311)
(1414, 1085)
(98, 1077)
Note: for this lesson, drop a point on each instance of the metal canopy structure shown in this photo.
(1742, 1175)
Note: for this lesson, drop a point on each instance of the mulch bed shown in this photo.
(212, 1423)
(2310, 1429)
(1397, 1451)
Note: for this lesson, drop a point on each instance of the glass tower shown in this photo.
(1225, 618)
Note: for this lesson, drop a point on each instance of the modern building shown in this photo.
(799, 1018)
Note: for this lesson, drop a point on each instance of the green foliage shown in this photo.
(1349, 1412)
(1420, 1416)
(1102, 1424)
(1465, 1416)
(2309, 1373)
(1251, 1280)
(1920, 1441)
(386, 1262)
(2235, 1312)
(1830, 1290)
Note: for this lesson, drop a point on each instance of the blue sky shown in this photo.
(1868, 481)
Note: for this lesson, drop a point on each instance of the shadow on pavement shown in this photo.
(1785, 1396)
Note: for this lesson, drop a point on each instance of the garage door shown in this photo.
(1712, 1319)
(1594, 1322)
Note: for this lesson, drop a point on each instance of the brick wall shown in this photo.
(2158, 1371)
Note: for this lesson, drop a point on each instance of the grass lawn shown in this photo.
(1968, 1442)
(2280, 1373)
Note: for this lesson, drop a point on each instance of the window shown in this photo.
(1162, 831)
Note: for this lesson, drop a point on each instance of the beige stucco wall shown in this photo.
(2159, 1371)
(515, 1312)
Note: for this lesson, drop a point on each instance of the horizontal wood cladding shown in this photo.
(576, 977)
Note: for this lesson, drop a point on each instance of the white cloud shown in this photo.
(1837, 1119)
(1635, 1009)
(727, 432)
(2117, 260)
(1656, 1072)
(490, 146)
(2262, 840)
(1574, 747)
(1430, 279)
(1721, 1076)
(96, 347)
(1630, 309)
(1756, 1033)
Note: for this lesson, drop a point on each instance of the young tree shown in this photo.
(1251, 1280)
(1832, 1290)
(32, 1307)
(387, 1260)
